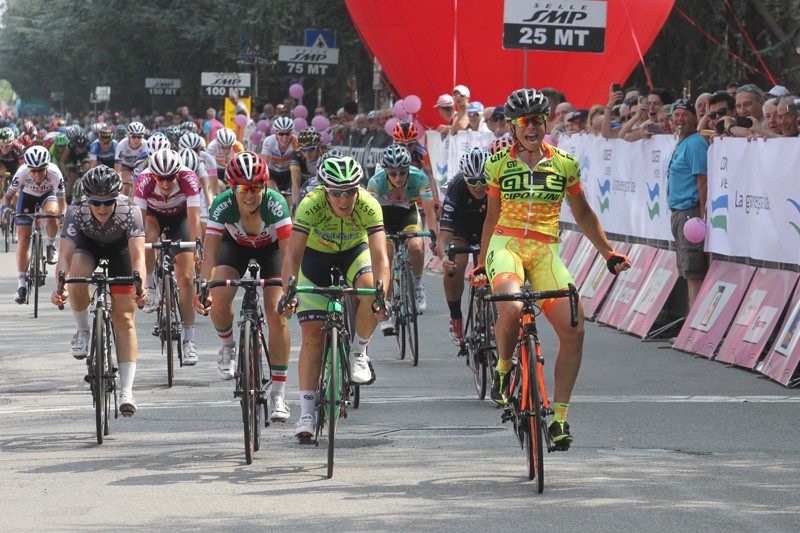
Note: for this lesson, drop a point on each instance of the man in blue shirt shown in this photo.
(688, 188)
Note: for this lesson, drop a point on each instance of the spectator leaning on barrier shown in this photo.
(701, 105)
(749, 99)
(787, 115)
(461, 98)
(771, 121)
(656, 98)
(631, 130)
(594, 124)
(559, 124)
(577, 121)
(687, 190)
(475, 115)
(499, 125)
(720, 105)
(445, 104)
(665, 119)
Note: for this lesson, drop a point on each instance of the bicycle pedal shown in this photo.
(462, 352)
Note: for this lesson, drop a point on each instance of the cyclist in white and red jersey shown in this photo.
(40, 185)
(278, 150)
(222, 149)
(169, 197)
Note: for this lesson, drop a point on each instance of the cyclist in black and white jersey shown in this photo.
(128, 151)
(278, 151)
(104, 225)
(39, 184)
(304, 163)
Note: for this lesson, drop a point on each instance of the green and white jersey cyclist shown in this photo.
(338, 223)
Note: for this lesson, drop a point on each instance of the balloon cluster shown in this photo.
(404, 110)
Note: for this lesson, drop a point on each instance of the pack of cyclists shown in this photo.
(298, 209)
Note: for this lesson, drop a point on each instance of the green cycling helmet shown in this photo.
(61, 140)
(341, 172)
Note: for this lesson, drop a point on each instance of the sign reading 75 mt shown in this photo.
(307, 60)
(555, 26)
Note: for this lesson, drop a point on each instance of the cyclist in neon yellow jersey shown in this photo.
(337, 223)
(527, 184)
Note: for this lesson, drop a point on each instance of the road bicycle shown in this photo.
(7, 222)
(253, 380)
(404, 296)
(478, 344)
(102, 362)
(37, 263)
(169, 322)
(528, 407)
(335, 385)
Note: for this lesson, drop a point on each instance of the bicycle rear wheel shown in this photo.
(246, 389)
(412, 332)
(6, 231)
(399, 316)
(98, 369)
(166, 332)
(333, 394)
(259, 400)
(488, 355)
(535, 450)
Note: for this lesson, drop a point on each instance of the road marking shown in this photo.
(189, 404)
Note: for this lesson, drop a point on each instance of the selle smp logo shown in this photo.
(565, 14)
(653, 210)
(796, 206)
(603, 199)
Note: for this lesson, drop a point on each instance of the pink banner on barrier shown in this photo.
(582, 260)
(569, 241)
(784, 357)
(758, 317)
(653, 295)
(598, 282)
(714, 309)
(627, 286)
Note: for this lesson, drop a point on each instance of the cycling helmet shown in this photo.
(395, 156)
(189, 140)
(226, 137)
(105, 135)
(7, 135)
(405, 132)
(332, 152)
(28, 128)
(96, 127)
(472, 162)
(283, 124)
(165, 162)
(101, 181)
(80, 140)
(189, 126)
(500, 144)
(173, 132)
(309, 137)
(60, 140)
(156, 143)
(136, 128)
(189, 159)
(37, 157)
(246, 168)
(342, 172)
(524, 102)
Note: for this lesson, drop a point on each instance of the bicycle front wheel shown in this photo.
(412, 333)
(6, 231)
(333, 393)
(36, 263)
(167, 322)
(535, 450)
(399, 316)
(246, 389)
(98, 368)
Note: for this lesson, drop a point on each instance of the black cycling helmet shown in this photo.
(524, 102)
(309, 137)
(100, 181)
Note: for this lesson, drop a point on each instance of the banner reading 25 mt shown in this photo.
(555, 26)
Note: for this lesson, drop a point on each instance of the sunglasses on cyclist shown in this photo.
(283, 134)
(475, 181)
(135, 136)
(171, 177)
(395, 173)
(98, 202)
(339, 193)
(244, 189)
(714, 115)
(534, 120)
(307, 149)
(41, 170)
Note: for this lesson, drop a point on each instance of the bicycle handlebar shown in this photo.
(525, 295)
(170, 244)
(36, 215)
(243, 283)
(405, 235)
(95, 278)
(335, 290)
(453, 251)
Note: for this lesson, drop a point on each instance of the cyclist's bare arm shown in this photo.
(379, 258)
(211, 246)
(492, 216)
(293, 256)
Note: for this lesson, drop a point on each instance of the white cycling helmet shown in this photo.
(472, 163)
(165, 162)
(190, 140)
(37, 157)
(136, 128)
(156, 143)
(225, 137)
(189, 159)
(283, 124)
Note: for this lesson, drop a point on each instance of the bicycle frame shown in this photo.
(403, 295)
(37, 262)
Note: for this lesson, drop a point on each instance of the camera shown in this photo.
(616, 87)
(654, 128)
(720, 126)
(744, 122)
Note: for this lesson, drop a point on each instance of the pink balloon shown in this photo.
(101, 119)
(240, 120)
(390, 124)
(256, 137)
(300, 111)
(400, 110)
(695, 230)
(326, 137)
(296, 91)
(263, 125)
(300, 124)
(320, 122)
(412, 103)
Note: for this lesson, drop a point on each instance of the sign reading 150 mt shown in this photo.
(555, 26)
(163, 86)
(222, 84)
(307, 60)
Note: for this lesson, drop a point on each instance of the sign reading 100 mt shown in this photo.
(555, 26)
(307, 60)
(222, 84)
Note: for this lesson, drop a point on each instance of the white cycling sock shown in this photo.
(359, 344)
(22, 279)
(149, 282)
(127, 371)
(188, 333)
(82, 319)
(308, 401)
(50, 241)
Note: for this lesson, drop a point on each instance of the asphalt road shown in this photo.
(664, 442)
